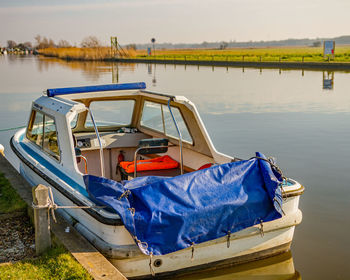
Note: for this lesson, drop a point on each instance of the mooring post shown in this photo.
(41, 219)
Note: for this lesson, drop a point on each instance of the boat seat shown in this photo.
(158, 166)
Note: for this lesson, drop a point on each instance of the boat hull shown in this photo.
(115, 242)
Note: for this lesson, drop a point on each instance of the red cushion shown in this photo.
(159, 163)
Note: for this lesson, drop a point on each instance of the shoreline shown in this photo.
(252, 64)
(220, 63)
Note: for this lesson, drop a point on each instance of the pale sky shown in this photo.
(175, 21)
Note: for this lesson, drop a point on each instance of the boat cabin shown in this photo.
(105, 130)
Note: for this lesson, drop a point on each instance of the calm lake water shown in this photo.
(285, 114)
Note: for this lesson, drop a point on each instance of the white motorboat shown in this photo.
(74, 133)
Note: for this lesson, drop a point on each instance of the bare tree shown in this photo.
(64, 44)
(11, 44)
(52, 43)
(43, 42)
(38, 40)
(90, 42)
(28, 45)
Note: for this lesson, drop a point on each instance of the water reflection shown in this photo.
(328, 80)
(91, 70)
(275, 268)
(151, 68)
(215, 90)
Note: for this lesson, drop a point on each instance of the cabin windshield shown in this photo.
(111, 113)
(157, 117)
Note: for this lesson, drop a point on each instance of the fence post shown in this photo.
(41, 219)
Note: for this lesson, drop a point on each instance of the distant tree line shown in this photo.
(342, 40)
(42, 42)
(22, 46)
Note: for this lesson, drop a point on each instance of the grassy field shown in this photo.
(283, 54)
(55, 264)
(308, 54)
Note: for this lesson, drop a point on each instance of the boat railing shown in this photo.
(146, 148)
(99, 143)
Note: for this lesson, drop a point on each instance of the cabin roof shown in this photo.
(56, 105)
(110, 90)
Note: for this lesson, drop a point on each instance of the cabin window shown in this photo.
(111, 113)
(42, 131)
(50, 144)
(73, 123)
(157, 117)
(35, 128)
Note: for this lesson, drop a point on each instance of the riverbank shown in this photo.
(17, 247)
(298, 57)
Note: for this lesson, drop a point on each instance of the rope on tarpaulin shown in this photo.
(278, 170)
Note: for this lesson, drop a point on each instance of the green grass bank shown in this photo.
(57, 263)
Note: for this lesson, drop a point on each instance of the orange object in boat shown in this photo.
(207, 165)
(164, 162)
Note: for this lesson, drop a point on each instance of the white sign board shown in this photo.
(328, 48)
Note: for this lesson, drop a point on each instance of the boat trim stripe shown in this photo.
(75, 200)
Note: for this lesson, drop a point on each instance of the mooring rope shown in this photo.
(278, 170)
(51, 205)
(12, 128)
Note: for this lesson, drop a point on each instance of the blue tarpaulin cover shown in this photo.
(168, 214)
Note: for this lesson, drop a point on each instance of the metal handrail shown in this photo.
(180, 137)
(142, 148)
(99, 142)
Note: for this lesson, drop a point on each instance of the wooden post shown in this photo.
(303, 59)
(41, 219)
(243, 58)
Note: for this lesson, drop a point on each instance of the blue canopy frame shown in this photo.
(72, 90)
